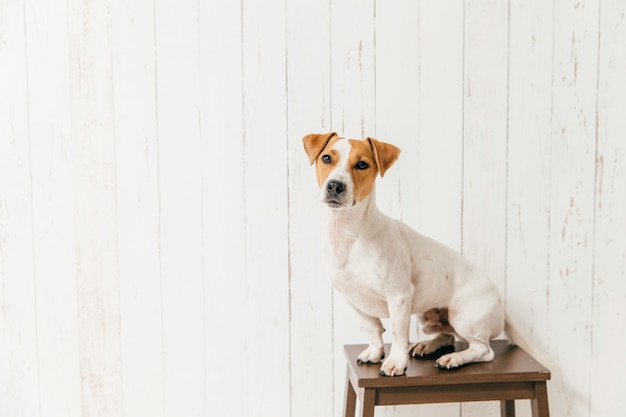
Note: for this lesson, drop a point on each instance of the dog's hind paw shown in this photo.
(421, 349)
(449, 361)
(434, 355)
(428, 347)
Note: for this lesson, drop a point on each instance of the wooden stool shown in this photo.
(512, 375)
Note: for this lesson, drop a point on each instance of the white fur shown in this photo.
(386, 269)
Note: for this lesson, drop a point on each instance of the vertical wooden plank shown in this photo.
(485, 136)
(19, 378)
(571, 199)
(223, 216)
(485, 146)
(95, 212)
(397, 118)
(529, 172)
(432, 193)
(607, 384)
(413, 49)
(266, 200)
(436, 205)
(397, 99)
(54, 197)
(353, 115)
(180, 203)
(308, 85)
(353, 66)
(133, 58)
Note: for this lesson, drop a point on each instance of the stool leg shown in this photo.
(368, 402)
(350, 398)
(539, 404)
(507, 408)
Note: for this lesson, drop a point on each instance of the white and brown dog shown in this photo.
(386, 269)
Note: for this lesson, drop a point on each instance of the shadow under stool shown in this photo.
(512, 375)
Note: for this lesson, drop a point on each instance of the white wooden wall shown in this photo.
(159, 221)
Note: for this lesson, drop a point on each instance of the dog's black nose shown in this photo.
(335, 188)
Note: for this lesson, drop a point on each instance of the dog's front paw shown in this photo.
(393, 367)
(372, 354)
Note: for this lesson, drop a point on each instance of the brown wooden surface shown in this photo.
(511, 364)
(512, 375)
(349, 401)
(507, 408)
(430, 394)
(539, 405)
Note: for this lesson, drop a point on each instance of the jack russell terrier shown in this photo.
(386, 269)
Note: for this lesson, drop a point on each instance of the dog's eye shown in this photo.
(326, 159)
(362, 165)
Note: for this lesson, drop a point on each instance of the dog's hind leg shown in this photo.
(433, 321)
(476, 325)
(476, 352)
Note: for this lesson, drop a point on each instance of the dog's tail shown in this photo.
(515, 337)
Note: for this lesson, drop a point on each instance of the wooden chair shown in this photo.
(512, 375)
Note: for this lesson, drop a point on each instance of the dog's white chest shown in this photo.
(359, 273)
(356, 270)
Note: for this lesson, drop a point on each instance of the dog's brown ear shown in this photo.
(315, 143)
(385, 154)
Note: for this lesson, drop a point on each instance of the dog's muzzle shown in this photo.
(335, 188)
(336, 195)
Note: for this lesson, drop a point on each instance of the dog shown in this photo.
(385, 269)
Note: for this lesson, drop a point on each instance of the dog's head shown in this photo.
(347, 168)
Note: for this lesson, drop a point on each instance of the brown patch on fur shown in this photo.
(437, 321)
(363, 179)
(385, 154)
(322, 169)
(315, 143)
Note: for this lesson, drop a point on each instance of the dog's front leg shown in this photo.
(400, 317)
(375, 352)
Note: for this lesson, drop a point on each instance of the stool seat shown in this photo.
(512, 375)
